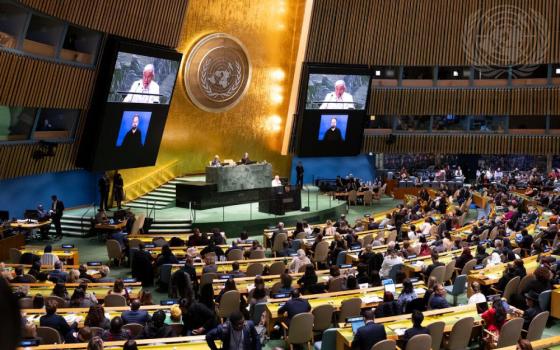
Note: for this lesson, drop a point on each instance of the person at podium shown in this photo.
(276, 182)
(245, 159)
(216, 161)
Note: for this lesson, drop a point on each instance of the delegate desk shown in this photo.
(197, 342)
(149, 238)
(246, 284)
(396, 325)
(99, 289)
(91, 270)
(181, 252)
(226, 266)
(371, 297)
(552, 343)
(78, 315)
(70, 256)
(29, 225)
(492, 274)
(415, 265)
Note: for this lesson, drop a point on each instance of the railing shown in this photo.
(84, 214)
(152, 180)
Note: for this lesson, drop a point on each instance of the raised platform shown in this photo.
(232, 219)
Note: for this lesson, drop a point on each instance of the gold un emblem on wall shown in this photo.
(217, 72)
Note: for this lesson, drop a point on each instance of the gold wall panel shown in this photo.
(269, 29)
(412, 32)
(463, 144)
(519, 101)
(155, 21)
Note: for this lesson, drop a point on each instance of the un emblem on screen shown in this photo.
(217, 72)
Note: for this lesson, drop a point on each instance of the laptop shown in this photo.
(356, 323)
(481, 307)
(389, 285)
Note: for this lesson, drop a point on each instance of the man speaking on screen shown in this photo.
(133, 138)
(339, 99)
(144, 90)
(333, 134)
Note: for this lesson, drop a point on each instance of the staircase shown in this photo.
(160, 198)
(171, 226)
(73, 225)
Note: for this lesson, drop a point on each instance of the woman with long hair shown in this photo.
(495, 317)
(96, 317)
(60, 291)
(407, 294)
(308, 281)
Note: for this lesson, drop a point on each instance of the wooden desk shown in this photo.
(555, 303)
(111, 227)
(70, 255)
(181, 252)
(371, 297)
(99, 289)
(197, 342)
(544, 343)
(397, 324)
(492, 274)
(7, 243)
(92, 270)
(415, 265)
(28, 226)
(226, 266)
(149, 238)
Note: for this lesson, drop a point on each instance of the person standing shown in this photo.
(236, 333)
(103, 184)
(57, 208)
(118, 189)
(299, 175)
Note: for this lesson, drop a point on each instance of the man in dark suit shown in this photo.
(57, 273)
(103, 185)
(57, 208)
(333, 134)
(417, 319)
(299, 175)
(133, 139)
(245, 159)
(296, 305)
(236, 333)
(435, 263)
(438, 299)
(135, 315)
(20, 278)
(141, 266)
(369, 334)
(51, 319)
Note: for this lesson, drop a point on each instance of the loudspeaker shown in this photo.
(391, 139)
(305, 209)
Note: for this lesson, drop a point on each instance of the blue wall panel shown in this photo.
(362, 166)
(74, 188)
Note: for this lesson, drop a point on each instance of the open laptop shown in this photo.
(389, 285)
(356, 323)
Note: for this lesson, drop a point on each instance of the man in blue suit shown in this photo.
(438, 300)
(135, 315)
(51, 319)
(235, 334)
(57, 273)
(296, 305)
(369, 334)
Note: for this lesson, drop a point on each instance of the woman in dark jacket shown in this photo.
(389, 307)
(465, 256)
(157, 328)
(166, 256)
(308, 281)
(197, 317)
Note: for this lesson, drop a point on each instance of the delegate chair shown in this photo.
(114, 251)
(278, 244)
(323, 317)
(26, 303)
(388, 344)
(229, 303)
(524, 282)
(277, 268)
(134, 328)
(257, 254)
(460, 334)
(352, 197)
(235, 254)
(350, 308)
(96, 331)
(15, 255)
(48, 335)
(300, 330)
(254, 269)
(114, 300)
(544, 300)
(436, 331)
(438, 273)
(457, 288)
(536, 327)
(469, 265)
(509, 334)
(449, 269)
(419, 342)
(321, 253)
(328, 340)
(60, 303)
(368, 198)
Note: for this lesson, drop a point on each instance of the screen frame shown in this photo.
(98, 118)
(302, 114)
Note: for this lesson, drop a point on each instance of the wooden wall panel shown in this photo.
(522, 101)
(418, 32)
(463, 144)
(155, 21)
(34, 82)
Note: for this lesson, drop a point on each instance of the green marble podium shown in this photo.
(240, 177)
